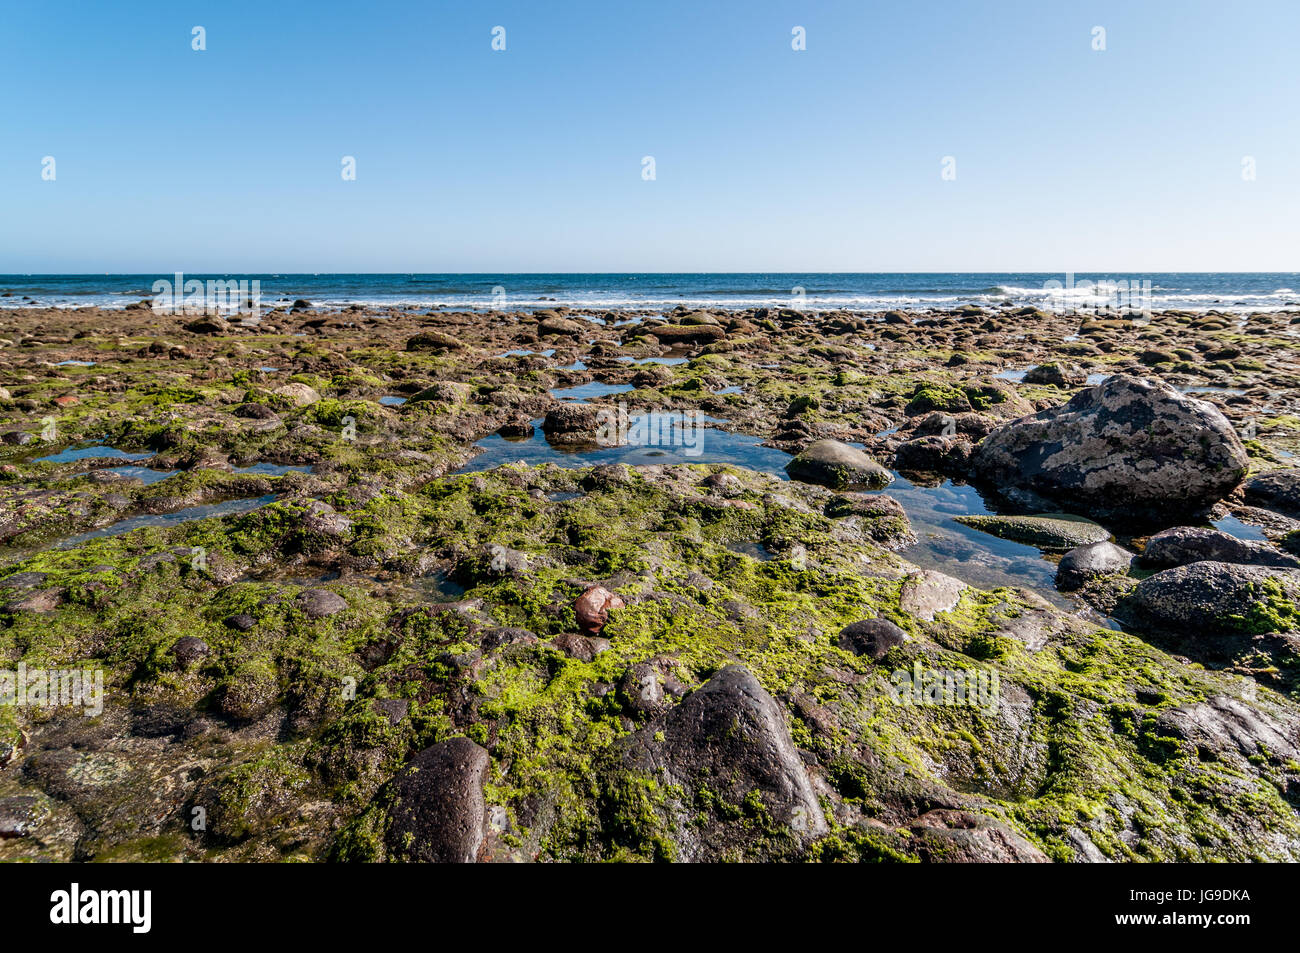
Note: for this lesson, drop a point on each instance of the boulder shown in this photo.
(1189, 544)
(1277, 490)
(1092, 561)
(1221, 598)
(438, 809)
(1128, 448)
(838, 465)
(934, 454)
(729, 736)
(871, 637)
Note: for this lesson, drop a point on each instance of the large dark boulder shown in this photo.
(1216, 597)
(1190, 544)
(728, 738)
(438, 808)
(1128, 448)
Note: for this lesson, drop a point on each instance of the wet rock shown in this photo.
(249, 693)
(1277, 490)
(500, 636)
(572, 423)
(593, 606)
(438, 809)
(1056, 375)
(23, 580)
(301, 394)
(189, 649)
(927, 593)
(240, 621)
(1126, 448)
(1221, 597)
(1188, 544)
(1091, 561)
(960, 837)
(319, 603)
(731, 737)
(1045, 532)
(934, 454)
(565, 326)
(871, 505)
(834, 464)
(517, 427)
(871, 637)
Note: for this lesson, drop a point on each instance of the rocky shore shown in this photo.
(335, 621)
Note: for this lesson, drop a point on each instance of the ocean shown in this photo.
(1226, 291)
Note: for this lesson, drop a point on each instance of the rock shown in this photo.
(189, 649)
(641, 690)
(1277, 490)
(208, 325)
(557, 325)
(1056, 375)
(729, 736)
(18, 438)
(1221, 597)
(517, 427)
(1188, 544)
(571, 423)
(255, 412)
(1045, 532)
(581, 647)
(249, 693)
(240, 621)
(949, 836)
(934, 454)
(871, 505)
(24, 580)
(301, 304)
(42, 601)
(438, 809)
(671, 334)
(1127, 448)
(926, 593)
(1225, 729)
(593, 606)
(319, 603)
(434, 341)
(18, 815)
(837, 465)
(301, 394)
(871, 637)
(393, 709)
(1091, 561)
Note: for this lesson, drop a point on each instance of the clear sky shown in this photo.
(766, 158)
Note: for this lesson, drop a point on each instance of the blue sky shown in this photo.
(827, 159)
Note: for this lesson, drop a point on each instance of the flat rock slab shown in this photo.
(1045, 532)
(927, 593)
